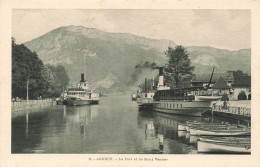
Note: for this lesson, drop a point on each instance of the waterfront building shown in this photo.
(202, 79)
(241, 88)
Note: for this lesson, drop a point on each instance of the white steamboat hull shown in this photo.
(142, 101)
(81, 102)
(213, 147)
(182, 107)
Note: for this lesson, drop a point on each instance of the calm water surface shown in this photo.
(114, 126)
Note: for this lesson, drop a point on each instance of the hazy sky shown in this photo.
(226, 29)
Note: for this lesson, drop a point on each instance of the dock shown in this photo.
(235, 112)
(30, 104)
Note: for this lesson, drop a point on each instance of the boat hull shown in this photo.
(238, 140)
(213, 147)
(200, 132)
(143, 101)
(81, 102)
(207, 98)
(182, 107)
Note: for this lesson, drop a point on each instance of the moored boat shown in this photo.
(133, 97)
(144, 98)
(81, 95)
(217, 147)
(226, 139)
(221, 132)
(207, 98)
(178, 101)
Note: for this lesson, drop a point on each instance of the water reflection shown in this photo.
(114, 126)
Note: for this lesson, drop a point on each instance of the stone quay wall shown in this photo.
(30, 104)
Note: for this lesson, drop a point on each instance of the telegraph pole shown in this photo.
(27, 97)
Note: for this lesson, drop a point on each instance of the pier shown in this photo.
(30, 104)
(235, 112)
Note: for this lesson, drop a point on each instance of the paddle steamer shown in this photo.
(81, 95)
(178, 101)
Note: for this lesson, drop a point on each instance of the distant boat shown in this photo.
(133, 97)
(81, 95)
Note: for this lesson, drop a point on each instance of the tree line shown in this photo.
(43, 80)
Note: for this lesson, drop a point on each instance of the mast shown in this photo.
(84, 66)
(210, 78)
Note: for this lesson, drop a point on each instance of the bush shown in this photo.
(242, 95)
(225, 97)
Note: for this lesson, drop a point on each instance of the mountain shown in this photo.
(110, 58)
(204, 58)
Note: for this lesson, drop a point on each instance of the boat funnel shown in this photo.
(145, 83)
(161, 71)
(160, 77)
(82, 78)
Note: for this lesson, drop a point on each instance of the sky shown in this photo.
(224, 29)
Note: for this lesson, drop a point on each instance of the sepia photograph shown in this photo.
(120, 83)
(131, 81)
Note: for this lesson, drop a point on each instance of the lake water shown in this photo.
(115, 126)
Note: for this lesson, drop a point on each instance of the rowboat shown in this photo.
(220, 132)
(209, 125)
(217, 147)
(215, 127)
(238, 140)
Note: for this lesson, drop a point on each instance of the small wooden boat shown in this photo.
(217, 147)
(226, 139)
(220, 132)
(209, 125)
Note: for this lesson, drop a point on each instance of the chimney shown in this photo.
(82, 78)
(160, 77)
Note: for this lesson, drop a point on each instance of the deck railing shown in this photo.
(232, 110)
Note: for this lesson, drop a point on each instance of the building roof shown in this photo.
(242, 81)
(205, 77)
(220, 84)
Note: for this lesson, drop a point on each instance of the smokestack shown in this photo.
(161, 71)
(145, 89)
(82, 78)
(160, 77)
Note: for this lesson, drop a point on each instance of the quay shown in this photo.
(234, 111)
(31, 104)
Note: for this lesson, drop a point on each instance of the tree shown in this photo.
(178, 70)
(44, 80)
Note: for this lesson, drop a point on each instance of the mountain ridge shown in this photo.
(116, 54)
